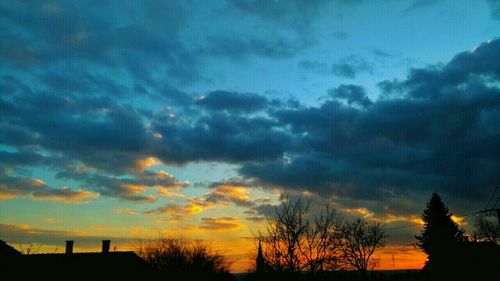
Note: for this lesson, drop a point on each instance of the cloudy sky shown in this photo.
(137, 119)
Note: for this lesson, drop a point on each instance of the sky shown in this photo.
(144, 119)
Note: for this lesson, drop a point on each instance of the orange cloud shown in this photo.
(458, 220)
(364, 212)
(168, 193)
(388, 218)
(160, 180)
(230, 193)
(220, 224)
(219, 196)
(135, 192)
(417, 220)
(145, 163)
(168, 181)
(4, 195)
(14, 187)
(175, 212)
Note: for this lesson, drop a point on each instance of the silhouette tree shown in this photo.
(359, 240)
(440, 233)
(487, 230)
(321, 248)
(296, 241)
(285, 235)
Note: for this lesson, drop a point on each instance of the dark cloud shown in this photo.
(236, 47)
(418, 4)
(221, 136)
(287, 25)
(352, 94)
(346, 67)
(132, 188)
(233, 101)
(382, 54)
(59, 35)
(350, 66)
(495, 8)
(438, 134)
(29, 158)
(344, 70)
(73, 99)
(12, 186)
(314, 66)
(265, 210)
(94, 130)
(82, 82)
(298, 14)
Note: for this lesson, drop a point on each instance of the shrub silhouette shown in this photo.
(179, 258)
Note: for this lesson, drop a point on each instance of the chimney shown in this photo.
(105, 246)
(69, 247)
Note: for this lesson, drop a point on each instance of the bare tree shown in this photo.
(295, 241)
(285, 235)
(359, 240)
(487, 230)
(321, 248)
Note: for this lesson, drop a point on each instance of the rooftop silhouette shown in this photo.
(61, 265)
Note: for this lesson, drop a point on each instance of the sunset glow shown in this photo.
(131, 121)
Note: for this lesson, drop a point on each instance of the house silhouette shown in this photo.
(69, 265)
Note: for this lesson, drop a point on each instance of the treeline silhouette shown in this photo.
(297, 244)
(296, 241)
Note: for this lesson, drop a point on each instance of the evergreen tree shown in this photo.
(440, 233)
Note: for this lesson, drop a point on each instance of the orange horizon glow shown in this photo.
(242, 257)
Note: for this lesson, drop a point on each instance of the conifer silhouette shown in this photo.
(440, 233)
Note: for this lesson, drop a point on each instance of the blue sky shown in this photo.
(138, 118)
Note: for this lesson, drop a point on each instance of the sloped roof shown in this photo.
(7, 250)
(112, 261)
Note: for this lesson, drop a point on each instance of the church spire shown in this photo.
(260, 261)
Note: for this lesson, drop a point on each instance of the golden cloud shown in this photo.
(230, 193)
(177, 212)
(143, 164)
(220, 224)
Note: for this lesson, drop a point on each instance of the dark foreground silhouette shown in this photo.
(466, 261)
(71, 266)
(104, 265)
